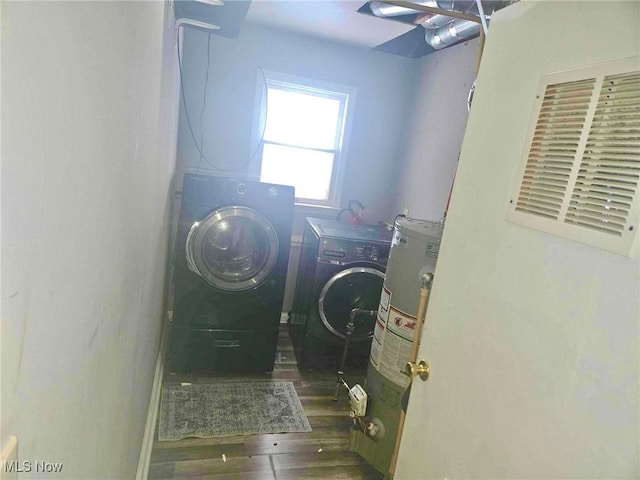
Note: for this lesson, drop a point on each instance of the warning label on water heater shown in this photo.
(383, 308)
(431, 250)
(392, 340)
(402, 324)
(393, 356)
(399, 239)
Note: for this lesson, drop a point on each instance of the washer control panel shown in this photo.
(343, 251)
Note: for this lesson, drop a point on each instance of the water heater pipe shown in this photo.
(350, 328)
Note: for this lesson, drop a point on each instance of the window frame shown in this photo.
(295, 83)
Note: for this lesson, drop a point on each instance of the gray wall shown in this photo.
(384, 86)
(89, 103)
(438, 119)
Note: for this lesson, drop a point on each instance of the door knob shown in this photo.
(421, 369)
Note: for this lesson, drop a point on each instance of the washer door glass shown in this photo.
(232, 249)
(358, 287)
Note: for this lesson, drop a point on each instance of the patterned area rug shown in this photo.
(230, 408)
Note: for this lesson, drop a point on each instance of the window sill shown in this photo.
(311, 210)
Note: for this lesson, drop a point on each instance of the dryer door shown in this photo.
(357, 287)
(232, 249)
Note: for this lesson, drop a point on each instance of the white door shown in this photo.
(533, 340)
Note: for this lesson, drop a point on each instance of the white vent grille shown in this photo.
(610, 167)
(581, 173)
(553, 148)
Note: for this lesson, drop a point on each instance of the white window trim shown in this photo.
(341, 157)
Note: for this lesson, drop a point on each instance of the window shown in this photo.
(304, 132)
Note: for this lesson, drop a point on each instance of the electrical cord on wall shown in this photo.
(266, 111)
(200, 148)
(204, 102)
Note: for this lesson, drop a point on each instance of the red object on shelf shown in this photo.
(355, 219)
(355, 215)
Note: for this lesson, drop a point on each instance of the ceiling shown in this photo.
(327, 19)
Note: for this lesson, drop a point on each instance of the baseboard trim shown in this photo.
(154, 405)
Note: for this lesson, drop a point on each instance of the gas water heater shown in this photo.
(413, 254)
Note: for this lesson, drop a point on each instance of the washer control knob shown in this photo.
(241, 188)
(368, 252)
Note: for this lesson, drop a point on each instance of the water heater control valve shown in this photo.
(358, 400)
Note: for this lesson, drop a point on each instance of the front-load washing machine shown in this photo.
(232, 251)
(341, 268)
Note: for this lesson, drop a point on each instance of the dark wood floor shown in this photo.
(322, 453)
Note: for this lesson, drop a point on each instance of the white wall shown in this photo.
(434, 136)
(533, 340)
(385, 88)
(88, 149)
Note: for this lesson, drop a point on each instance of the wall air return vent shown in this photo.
(580, 174)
